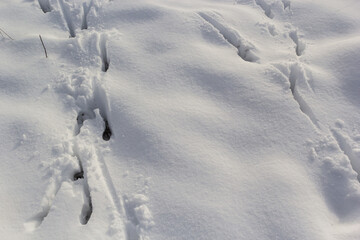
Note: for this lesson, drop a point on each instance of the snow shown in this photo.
(180, 119)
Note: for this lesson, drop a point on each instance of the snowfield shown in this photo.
(164, 119)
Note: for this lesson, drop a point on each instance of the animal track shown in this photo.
(89, 95)
(104, 53)
(245, 49)
(82, 116)
(337, 178)
(286, 4)
(100, 102)
(266, 7)
(35, 221)
(87, 208)
(78, 175)
(67, 17)
(272, 30)
(346, 145)
(86, 10)
(268, 27)
(296, 75)
(84, 164)
(107, 132)
(98, 167)
(300, 45)
(55, 184)
(63, 168)
(45, 6)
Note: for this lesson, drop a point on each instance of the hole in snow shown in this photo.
(87, 208)
(300, 45)
(103, 53)
(107, 132)
(86, 10)
(45, 6)
(80, 119)
(78, 175)
(266, 8)
(67, 18)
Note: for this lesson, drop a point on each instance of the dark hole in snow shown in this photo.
(78, 175)
(86, 217)
(107, 132)
(106, 66)
(80, 118)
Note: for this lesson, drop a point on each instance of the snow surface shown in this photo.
(169, 119)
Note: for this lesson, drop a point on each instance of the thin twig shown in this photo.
(6, 34)
(43, 46)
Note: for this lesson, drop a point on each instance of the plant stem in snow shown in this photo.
(5, 34)
(43, 46)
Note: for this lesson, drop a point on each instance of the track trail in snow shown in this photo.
(294, 73)
(296, 77)
(80, 158)
(297, 74)
(245, 49)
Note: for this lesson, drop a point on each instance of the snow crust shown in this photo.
(180, 119)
